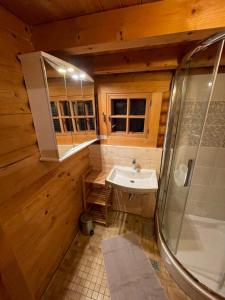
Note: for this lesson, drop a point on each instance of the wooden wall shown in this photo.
(149, 82)
(40, 201)
(163, 118)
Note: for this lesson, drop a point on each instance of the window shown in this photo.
(65, 108)
(119, 106)
(54, 109)
(84, 115)
(74, 116)
(56, 124)
(128, 114)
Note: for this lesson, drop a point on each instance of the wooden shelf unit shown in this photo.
(97, 196)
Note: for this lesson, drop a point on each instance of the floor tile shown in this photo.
(82, 275)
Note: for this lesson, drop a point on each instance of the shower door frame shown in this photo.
(214, 76)
(166, 164)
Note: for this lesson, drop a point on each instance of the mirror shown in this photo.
(72, 103)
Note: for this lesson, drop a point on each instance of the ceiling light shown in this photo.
(75, 76)
(62, 71)
(82, 75)
(70, 70)
(210, 83)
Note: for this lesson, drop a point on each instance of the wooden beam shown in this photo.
(157, 23)
(155, 59)
(142, 60)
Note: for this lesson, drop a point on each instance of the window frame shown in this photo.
(129, 97)
(73, 115)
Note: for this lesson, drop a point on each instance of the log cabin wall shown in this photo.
(40, 201)
(154, 83)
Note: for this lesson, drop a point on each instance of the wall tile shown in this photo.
(216, 195)
(198, 89)
(219, 90)
(218, 177)
(207, 156)
(213, 136)
(109, 155)
(193, 120)
(207, 192)
(216, 118)
(220, 158)
(197, 192)
(217, 107)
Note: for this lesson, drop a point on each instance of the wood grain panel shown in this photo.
(158, 23)
(110, 4)
(41, 11)
(13, 25)
(12, 282)
(142, 204)
(163, 118)
(48, 206)
(166, 58)
(40, 202)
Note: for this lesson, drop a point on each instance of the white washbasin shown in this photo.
(133, 181)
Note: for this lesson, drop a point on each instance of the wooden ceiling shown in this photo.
(43, 11)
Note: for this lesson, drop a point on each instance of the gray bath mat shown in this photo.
(130, 274)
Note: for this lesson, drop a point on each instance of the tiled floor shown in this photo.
(82, 275)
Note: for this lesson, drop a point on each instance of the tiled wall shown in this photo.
(106, 156)
(207, 192)
(194, 113)
(193, 118)
(206, 196)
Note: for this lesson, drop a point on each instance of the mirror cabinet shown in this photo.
(62, 102)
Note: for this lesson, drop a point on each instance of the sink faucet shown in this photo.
(135, 166)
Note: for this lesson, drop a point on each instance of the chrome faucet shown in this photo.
(134, 163)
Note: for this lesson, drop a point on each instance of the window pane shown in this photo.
(119, 106)
(118, 124)
(54, 109)
(136, 125)
(68, 125)
(137, 106)
(82, 124)
(89, 107)
(91, 123)
(65, 107)
(80, 108)
(56, 125)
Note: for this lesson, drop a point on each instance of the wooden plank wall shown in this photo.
(40, 201)
(163, 118)
(152, 82)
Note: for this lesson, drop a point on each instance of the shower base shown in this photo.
(201, 250)
(195, 280)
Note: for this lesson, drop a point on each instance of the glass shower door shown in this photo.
(193, 94)
(202, 240)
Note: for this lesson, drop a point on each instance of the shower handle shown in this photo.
(189, 172)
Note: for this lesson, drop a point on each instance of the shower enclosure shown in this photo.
(191, 199)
